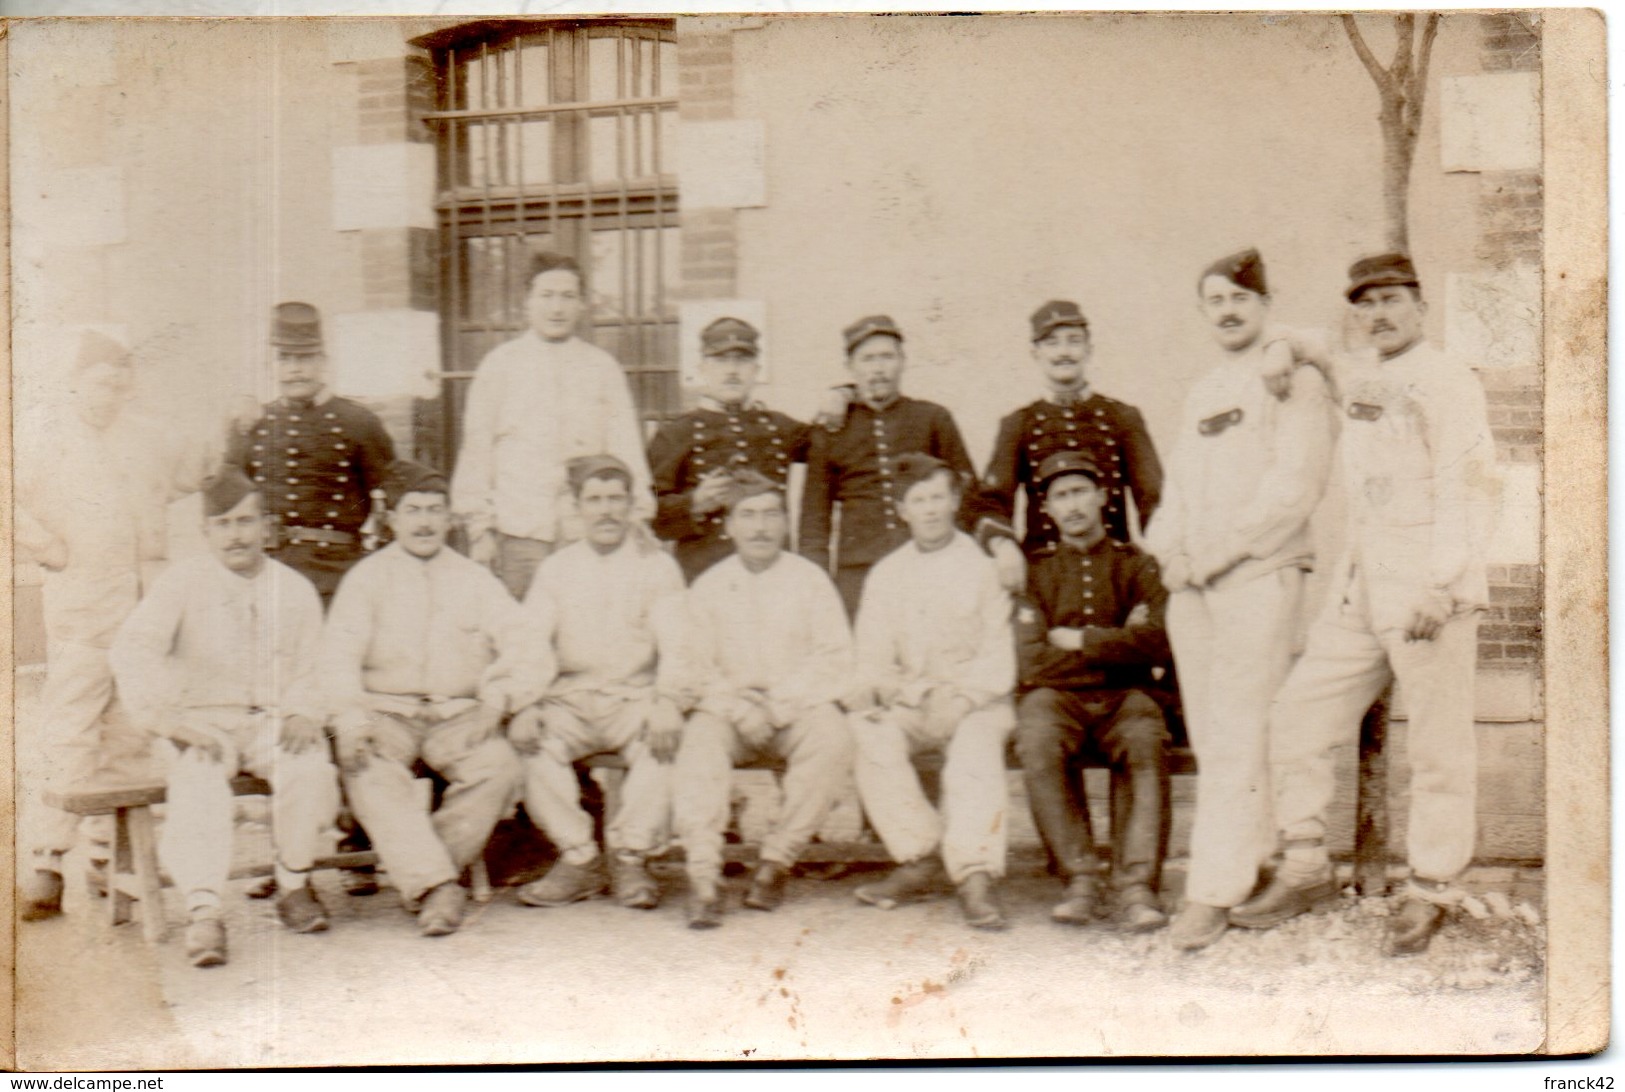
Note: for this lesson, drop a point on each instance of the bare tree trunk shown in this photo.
(1401, 91)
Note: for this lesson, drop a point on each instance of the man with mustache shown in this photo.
(693, 456)
(769, 653)
(218, 663)
(1071, 417)
(936, 664)
(1090, 633)
(1232, 535)
(612, 606)
(855, 465)
(1419, 468)
(319, 461)
(317, 458)
(424, 655)
(537, 402)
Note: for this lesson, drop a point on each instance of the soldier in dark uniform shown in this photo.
(1089, 634)
(317, 460)
(316, 457)
(856, 465)
(1071, 418)
(693, 456)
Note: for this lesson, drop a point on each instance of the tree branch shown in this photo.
(1416, 94)
(1404, 36)
(1378, 73)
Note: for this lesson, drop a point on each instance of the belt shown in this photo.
(294, 535)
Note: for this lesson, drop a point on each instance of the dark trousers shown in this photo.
(1058, 732)
(323, 564)
(849, 582)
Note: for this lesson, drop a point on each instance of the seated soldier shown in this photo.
(218, 662)
(936, 663)
(424, 654)
(768, 654)
(1089, 635)
(610, 602)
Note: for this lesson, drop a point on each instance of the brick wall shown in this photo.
(705, 92)
(1511, 42)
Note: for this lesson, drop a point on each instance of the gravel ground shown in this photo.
(822, 978)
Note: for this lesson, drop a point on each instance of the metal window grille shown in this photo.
(559, 136)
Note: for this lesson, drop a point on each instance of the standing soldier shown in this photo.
(91, 511)
(612, 605)
(769, 652)
(693, 457)
(537, 402)
(319, 461)
(218, 663)
(855, 465)
(1090, 636)
(1419, 467)
(936, 664)
(1071, 417)
(1233, 538)
(424, 655)
(317, 458)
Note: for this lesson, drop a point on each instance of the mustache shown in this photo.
(1229, 321)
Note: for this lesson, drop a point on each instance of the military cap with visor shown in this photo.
(1381, 271)
(867, 327)
(729, 335)
(1055, 314)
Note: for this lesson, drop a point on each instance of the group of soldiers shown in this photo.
(646, 603)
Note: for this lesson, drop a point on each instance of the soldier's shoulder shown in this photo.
(1116, 407)
(348, 409)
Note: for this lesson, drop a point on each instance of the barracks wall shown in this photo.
(952, 172)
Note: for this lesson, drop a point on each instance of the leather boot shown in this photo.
(442, 911)
(300, 911)
(1197, 925)
(1285, 898)
(41, 894)
(704, 905)
(1077, 905)
(767, 886)
(906, 882)
(206, 940)
(1411, 930)
(1138, 910)
(566, 883)
(631, 883)
(980, 902)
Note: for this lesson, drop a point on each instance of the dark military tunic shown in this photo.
(1111, 432)
(857, 468)
(317, 466)
(688, 447)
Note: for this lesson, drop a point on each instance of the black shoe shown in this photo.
(980, 902)
(906, 882)
(41, 895)
(1077, 905)
(262, 888)
(704, 906)
(767, 886)
(631, 884)
(1411, 930)
(300, 911)
(1283, 900)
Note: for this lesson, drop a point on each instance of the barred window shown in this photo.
(559, 136)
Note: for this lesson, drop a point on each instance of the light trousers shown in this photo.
(1232, 646)
(420, 851)
(591, 723)
(83, 738)
(1344, 667)
(817, 750)
(972, 827)
(195, 844)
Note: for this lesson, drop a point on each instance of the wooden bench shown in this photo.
(133, 875)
